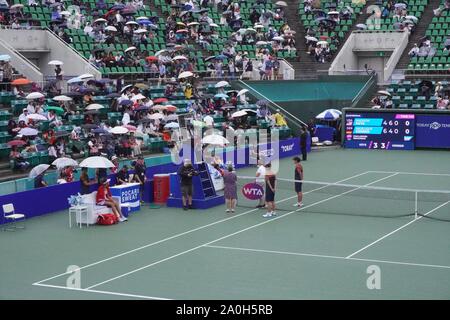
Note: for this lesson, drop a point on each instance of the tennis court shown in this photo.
(320, 251)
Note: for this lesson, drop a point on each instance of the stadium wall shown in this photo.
(53, 198)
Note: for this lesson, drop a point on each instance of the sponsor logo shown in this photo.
(253, 191)
(287, 148)
(434, 125)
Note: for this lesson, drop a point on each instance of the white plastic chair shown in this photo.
(11, 216)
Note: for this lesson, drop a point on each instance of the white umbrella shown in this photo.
(215, 139)
(333, 12)
(179, 58)
(384, 93)
(38, 170)
(322, 43)
(238, 114)
(126, 87)
(130, 49)
(36, 117)
(111, 28)
(85, 76)
(172, 125)
(214, 25)
(185, 74)
(278, 38)
(156, 116)
(119, 130)
(55, 63)
(329, 114)
(75, 80)
(100, 20)
(195, 23)
(34, 95)
(141, 18)
(413, 18)
(132, 22)
(243, 91)
(311, 39)
(221, 84)
(16, 6)
(281, 4)
(94, 106)
(64, 162)
(28, 132)
(62, 98)
(97, 162)
(140, 31)
(138, 97)
(65, 13)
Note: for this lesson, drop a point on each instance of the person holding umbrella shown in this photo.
(37, 173)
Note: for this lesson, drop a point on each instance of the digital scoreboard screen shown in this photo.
(388, 131)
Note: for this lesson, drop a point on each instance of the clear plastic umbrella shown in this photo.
(64, 162)
(38, 170)
(97, 162)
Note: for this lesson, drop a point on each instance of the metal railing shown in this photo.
(288, 115)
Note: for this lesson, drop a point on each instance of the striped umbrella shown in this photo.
(329, 114)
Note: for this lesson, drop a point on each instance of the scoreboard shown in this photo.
(388, 131)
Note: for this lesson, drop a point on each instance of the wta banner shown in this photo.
(432, 131)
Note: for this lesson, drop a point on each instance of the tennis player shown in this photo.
(298, 176)
(270, 179)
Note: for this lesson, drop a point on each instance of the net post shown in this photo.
(415, 205)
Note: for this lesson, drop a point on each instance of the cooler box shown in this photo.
(161, 188)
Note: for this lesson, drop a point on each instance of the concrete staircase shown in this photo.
(418, 33)
(305, 66)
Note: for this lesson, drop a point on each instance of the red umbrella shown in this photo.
(160, 100)
(16, 143)
(151, 58)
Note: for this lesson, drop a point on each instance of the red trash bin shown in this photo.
(161, 188)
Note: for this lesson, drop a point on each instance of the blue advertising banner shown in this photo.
(432, 131)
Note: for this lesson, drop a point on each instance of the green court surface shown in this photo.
(307, 253)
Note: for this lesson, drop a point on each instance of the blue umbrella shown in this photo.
(329, 114)
(221, 96)
(99, 131)
(221, 57)
(117, 7)
(126, 103)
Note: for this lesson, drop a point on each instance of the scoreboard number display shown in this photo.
(387, 131)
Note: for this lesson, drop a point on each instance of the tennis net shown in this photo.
(348, 199)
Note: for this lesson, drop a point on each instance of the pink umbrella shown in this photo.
(16, 143)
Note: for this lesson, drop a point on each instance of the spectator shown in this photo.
(19, 162)
(139, 175)
(85, 181)
(123, 177)
(39, 181)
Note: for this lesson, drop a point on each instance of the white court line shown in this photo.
(234, 233)
(181, 234)
(331, 257)
(414, 173)
(398, 229)
(102, 292)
